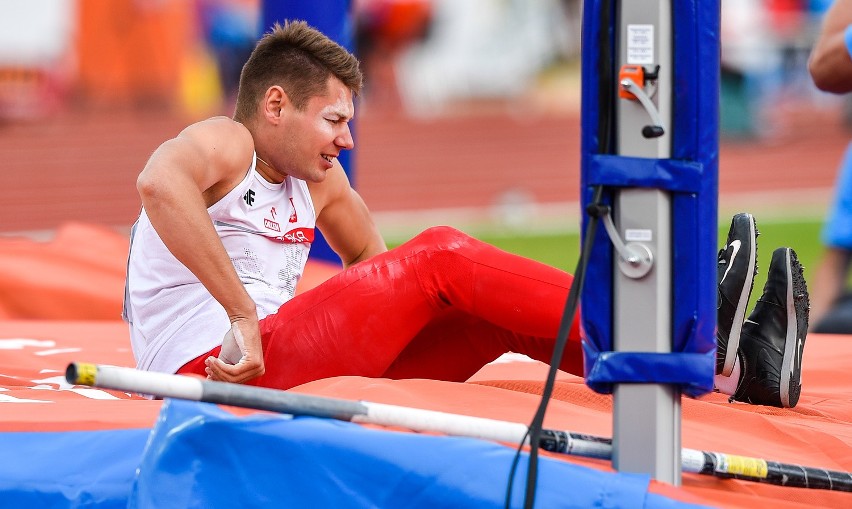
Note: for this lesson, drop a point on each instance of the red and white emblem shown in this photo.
(271, 223)
(293, 216)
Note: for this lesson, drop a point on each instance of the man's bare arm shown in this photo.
(344, 219)
(182, 178)
(830, 64)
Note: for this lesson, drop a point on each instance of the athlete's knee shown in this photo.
(447, 252)
(443, 237)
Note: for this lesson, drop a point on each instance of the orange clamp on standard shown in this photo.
(636, 73)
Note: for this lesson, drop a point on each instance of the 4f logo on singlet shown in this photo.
(249, 197)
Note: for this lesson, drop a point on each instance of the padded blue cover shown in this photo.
(70, 469)
(690, 175)
(201, 456)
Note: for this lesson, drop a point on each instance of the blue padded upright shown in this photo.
(690, 176)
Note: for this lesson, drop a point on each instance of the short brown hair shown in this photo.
(299, 59)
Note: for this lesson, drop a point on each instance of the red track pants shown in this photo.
(439, 306)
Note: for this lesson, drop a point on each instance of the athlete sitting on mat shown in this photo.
(229, 211)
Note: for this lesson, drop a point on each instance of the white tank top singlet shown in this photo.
(267, 230)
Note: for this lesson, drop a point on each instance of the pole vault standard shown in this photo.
(642, 307)
(565, 442)
(650, 163)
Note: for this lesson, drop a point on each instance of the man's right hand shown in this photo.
(245, 334)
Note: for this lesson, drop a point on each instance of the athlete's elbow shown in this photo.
(823, 81)
(151, 187)
(146, 186)
(827, 77)
(365, 254)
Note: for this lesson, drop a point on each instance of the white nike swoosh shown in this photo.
(736, 245)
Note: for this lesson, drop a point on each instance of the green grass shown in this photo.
(561, 250)
(557, 250)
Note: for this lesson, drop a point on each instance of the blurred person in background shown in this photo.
(230, 207)
(830, 63)
(484, 52)
(750, 56)
(830, 66)
(384, 29)
(230, 29)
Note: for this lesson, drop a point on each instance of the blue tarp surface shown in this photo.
(72, 469)
(203, 456)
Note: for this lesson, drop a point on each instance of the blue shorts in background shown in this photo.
(837, 231)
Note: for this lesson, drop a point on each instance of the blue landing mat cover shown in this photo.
(202, 456)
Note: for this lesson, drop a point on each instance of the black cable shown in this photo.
(508, 500)
(559, 348)
(595, 210)
(606, 128)
(606, 81)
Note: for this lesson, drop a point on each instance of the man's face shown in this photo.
(312, 139)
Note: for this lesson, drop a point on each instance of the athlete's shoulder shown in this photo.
(220, 141)
(221, 129)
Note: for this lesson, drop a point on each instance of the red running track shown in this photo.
(81, 165)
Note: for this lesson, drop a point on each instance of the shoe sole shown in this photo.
(742, 305)
(798, 304)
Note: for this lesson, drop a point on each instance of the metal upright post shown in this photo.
(646, 419)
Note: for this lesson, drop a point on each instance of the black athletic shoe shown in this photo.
(736, 269)
(773, 336)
